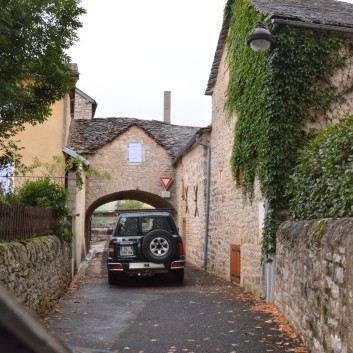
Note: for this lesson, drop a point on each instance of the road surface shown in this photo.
(154, 315)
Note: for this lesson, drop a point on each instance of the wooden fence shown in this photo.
(22, 222)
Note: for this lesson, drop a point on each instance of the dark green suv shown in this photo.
(143, 243)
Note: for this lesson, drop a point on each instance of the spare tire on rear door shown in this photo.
(158, 246)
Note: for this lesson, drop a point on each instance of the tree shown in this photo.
(131, 205)
(34, 65)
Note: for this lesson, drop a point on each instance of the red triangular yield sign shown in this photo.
(166, 181)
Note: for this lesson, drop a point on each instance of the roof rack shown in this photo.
(141, 210)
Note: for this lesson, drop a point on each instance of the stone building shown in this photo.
(222, 231)
(50, 139)
(234, 223)
(136, 154)
(82, 105)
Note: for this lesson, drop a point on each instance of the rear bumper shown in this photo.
(145, 266)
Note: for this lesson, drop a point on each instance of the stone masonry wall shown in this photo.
(232, 219)
(37, 271)
(125, 176)
(314, 282)
(83, 107)
(191, 174)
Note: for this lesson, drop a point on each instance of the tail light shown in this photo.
(177, 264)
(181, 248)
(111, 250)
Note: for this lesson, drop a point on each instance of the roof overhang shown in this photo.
(73, 154)
(192, 141)
(278, 21)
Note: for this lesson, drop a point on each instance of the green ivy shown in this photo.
(246, 96)
(274, 96)
(322, 183)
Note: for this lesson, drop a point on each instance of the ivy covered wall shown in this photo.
(276, 95)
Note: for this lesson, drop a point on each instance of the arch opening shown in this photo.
(153, 200)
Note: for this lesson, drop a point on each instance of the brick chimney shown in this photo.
(167, 100)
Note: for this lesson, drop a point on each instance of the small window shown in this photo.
(135, 152)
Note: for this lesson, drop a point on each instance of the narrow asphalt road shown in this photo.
(153, 315)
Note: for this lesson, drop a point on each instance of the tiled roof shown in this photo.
(328, 12)
(87, 136)
(323, 12)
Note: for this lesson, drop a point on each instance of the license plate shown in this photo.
(145, 266)
(126, 251)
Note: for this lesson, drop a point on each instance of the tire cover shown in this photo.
(158, 246)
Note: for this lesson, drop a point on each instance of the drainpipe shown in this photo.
(63, 137)
(207, 205)
(264, 293)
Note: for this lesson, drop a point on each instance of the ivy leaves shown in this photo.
(275, 96)
(246, 96)
(322, 183)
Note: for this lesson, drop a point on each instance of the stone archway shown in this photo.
(136, 154)
(142, 196)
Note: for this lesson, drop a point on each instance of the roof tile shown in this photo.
(87, 136)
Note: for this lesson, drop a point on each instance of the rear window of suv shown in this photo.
(151, 223)
(129, 226)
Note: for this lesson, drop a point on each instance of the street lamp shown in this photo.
(260, 39)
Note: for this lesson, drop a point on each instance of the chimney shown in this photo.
(167, 99)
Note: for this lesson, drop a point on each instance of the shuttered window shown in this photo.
(135, 152)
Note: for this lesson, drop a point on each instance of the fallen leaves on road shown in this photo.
(234, 291)
(281, 321)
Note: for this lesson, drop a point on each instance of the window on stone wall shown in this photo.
(135, 152)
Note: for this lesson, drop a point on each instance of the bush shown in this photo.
(61, 230)
(45, 194)
(322, 183)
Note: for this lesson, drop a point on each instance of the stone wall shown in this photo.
(314, 282)
(37, 271)
(191, 176)
(232, 219)
(126, 176)
(83, 107)
(99, 234)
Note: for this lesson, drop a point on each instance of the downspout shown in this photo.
(63, 136)
(207, 204)
(265, 266)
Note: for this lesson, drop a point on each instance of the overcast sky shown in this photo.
(130, 52)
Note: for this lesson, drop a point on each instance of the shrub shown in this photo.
(322, 183)
(46, 194)
(61, 230)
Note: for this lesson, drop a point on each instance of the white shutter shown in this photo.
(135, 152)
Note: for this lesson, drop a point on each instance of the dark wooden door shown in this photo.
(235, 263)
